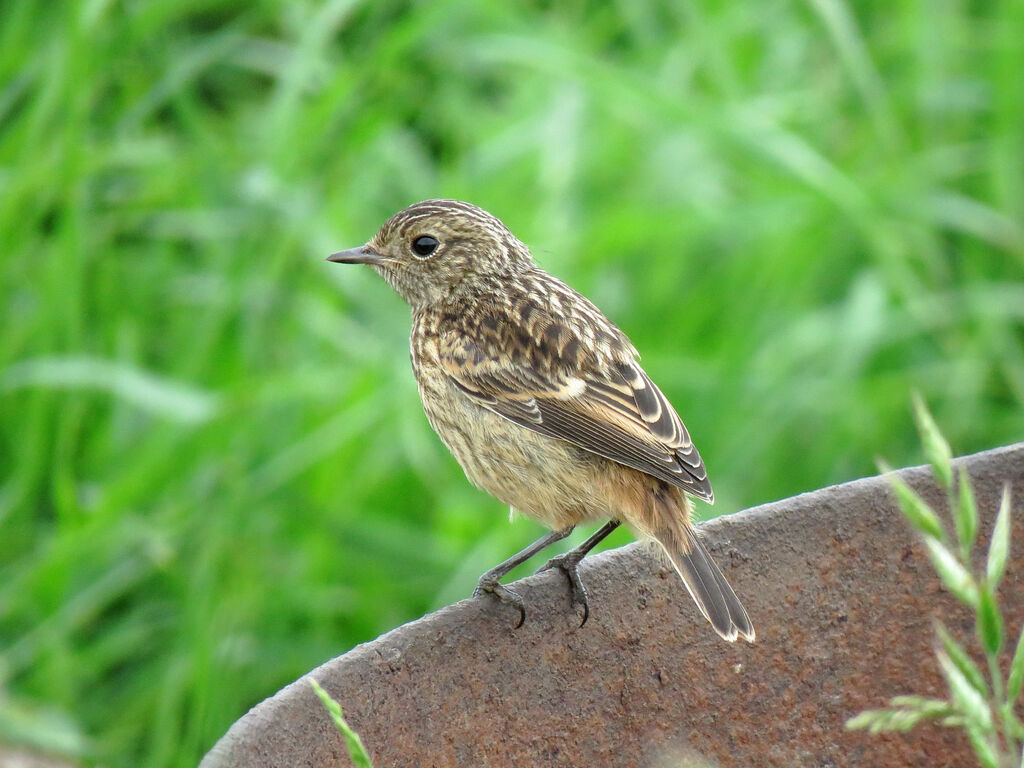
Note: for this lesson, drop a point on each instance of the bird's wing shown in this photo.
(610, 408)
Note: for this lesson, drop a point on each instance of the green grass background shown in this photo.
(214, 469)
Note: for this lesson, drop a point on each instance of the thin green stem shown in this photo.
(997, 679)
(1003, 708)
(965, 545)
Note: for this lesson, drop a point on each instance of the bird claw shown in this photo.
(569, 564)
(504, 594)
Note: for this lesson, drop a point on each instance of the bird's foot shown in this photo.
(569, 564)
(489, 583)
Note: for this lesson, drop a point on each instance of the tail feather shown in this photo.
(709, 589)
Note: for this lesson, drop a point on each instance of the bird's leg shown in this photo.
(569, 563)
(490, 581)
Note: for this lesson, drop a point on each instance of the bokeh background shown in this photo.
(214, 470)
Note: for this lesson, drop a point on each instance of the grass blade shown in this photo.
(982, 748)
(935, 446)
(989, 624)
(1016, 678)
(966, 516)
(157, 394)
(1000, 546)
(356, 750)
(916, 509)
(906, 712)
(968, 701)
(954, 576)
(963, 662)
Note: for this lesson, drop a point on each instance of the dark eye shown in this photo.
(424, 245)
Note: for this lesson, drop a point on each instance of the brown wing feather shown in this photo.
(611, 409)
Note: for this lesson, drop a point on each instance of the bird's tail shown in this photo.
(669, 524)
(708, 587)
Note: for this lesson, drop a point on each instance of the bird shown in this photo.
(542, 400)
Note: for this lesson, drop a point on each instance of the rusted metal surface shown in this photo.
(840, 591)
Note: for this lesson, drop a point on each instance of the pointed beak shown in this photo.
(360, 255)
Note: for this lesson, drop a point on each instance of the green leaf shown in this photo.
(1013, 724)
(982, 748)
(954, 576)
(963, 662)
(1016, 678)
(989, 624)
(967, 700)
(935, 446)
(966, 516)
(356, 750)
(915, 509)
(999, 548)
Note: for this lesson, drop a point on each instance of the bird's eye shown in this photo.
(424, 245)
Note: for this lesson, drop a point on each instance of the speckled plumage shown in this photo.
(538, 395)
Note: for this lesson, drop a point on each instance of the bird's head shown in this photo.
(436, 250)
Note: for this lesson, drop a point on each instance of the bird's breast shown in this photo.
(550, 480)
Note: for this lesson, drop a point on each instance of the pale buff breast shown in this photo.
(549, 480)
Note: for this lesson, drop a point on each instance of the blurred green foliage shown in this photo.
(214, 469)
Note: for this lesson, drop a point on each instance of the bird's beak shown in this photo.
(361, 255)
